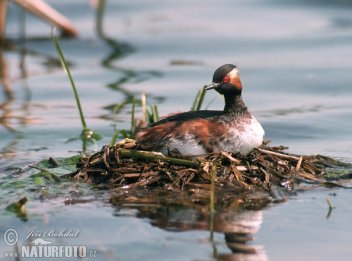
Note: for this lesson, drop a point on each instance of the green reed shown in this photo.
(212, 187)
(87, 135)
(212, 200)
(199, 99)
(133, 119)
(150, 115)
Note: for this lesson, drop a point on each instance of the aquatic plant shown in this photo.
(198, 101)
(87, 135)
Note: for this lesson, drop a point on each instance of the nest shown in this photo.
(124, 168)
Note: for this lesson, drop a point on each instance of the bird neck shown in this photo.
(234, 103)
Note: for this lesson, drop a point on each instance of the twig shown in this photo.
(232, 159)
(311, 177)
(298, 166)
(137, 154)
(285, 156)
(244, 168)
(139, 175)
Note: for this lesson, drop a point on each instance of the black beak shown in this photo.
(211, 86)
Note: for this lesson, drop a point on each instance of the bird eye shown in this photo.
(226, 79)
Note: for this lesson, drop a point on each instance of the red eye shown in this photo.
(226, 79)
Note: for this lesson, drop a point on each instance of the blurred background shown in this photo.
(295, 59)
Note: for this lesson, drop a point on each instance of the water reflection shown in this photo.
(238, 218)
(8, 94)
(12, 115)
(119, 50)
(294, 110)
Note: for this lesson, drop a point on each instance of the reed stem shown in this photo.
(114, 137)
(145, 155)
(155, 113)
(212, 188)
(133, 120)
(67, 70)
(3, 12)
(198, 101)
(144, 107)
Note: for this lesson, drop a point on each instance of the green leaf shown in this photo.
(97, 136)
(114, 137)
(39, 181)
(47, 175)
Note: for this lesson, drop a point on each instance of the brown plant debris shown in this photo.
(263, 170)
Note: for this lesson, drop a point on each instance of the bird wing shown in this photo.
(188, 116)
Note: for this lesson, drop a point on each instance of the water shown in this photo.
(295, 63)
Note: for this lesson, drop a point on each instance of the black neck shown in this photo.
(234, 103)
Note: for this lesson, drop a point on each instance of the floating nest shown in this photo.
(266, 169)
